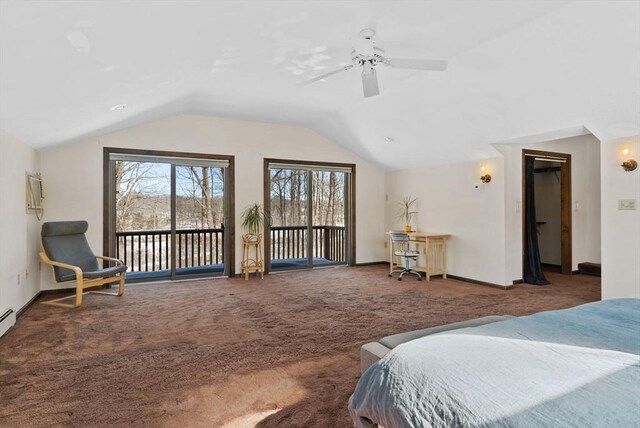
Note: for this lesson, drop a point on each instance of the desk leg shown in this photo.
(427, 272)
(427, 259)
(444, 259)
(390, 256)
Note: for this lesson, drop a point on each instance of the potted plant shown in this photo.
(252, 222)
(406, 211)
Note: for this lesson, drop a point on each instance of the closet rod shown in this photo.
(547, 158)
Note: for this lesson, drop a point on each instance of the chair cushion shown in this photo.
(65, 242)
(106, 272)
(57, 228)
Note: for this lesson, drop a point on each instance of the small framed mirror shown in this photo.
(34, 192)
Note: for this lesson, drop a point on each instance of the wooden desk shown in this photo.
(435, 253)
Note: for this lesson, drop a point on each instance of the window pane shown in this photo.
(289, 218)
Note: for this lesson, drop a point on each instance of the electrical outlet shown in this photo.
(518, 206)
(626, 204)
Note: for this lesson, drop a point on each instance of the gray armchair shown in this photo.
(67, 250)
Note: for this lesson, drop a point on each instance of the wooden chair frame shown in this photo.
(82, 283)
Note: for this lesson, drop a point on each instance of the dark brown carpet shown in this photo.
(281, 352)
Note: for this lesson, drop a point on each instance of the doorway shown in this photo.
(166, 213)
(548, 213)
(551, 177)
(310, 214)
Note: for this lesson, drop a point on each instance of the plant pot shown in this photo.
(251, 238)
(407, 228)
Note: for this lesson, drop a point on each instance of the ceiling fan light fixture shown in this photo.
(367, 33)
(365, 54)
(370, 82)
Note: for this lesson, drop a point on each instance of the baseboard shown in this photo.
(41, 293)
(484, 283)
(518, 281)
(28, 304)
(59, 290)
(459, 278)
(371, 263)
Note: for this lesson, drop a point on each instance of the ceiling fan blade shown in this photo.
(331, 73)
(418, 64)
(370, 83)
(362, 46)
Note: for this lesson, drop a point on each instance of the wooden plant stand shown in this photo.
(251, 243)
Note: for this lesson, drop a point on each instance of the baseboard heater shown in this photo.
(7, 320)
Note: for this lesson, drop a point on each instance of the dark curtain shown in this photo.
(532, 272)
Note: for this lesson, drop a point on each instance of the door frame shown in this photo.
(350, 205)
(566, 226)
(229, 187)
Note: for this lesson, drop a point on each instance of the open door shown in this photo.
(529, 224)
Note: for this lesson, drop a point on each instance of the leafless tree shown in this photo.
(202, 188)
(289, 194)
(136, 185)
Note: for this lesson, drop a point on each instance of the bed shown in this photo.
(577, 367)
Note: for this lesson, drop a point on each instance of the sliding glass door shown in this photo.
(329, 223)
(142, 217)
(310, 212)
(289, 218)
(167, 214)
(199, 220)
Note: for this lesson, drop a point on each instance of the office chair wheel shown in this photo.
(399, 279)
(419, 279)
(390, 275)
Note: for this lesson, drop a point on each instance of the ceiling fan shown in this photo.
(368, 56)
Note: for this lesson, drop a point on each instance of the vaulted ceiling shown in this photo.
(515, 69)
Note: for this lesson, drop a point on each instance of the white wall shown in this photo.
(620, 229)
(486, 229)
(486, 241)
(448, 202)
(73, 172)
(585, 190)
(19, 231)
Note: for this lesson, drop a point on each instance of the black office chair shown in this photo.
(67, 250)
(402, 248)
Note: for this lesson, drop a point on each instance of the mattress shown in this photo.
(577, 367)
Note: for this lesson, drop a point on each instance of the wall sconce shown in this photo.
(628, 164)
(485, 177)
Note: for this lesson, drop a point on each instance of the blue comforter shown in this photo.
(577, 367)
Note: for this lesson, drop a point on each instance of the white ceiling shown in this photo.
(515, 69)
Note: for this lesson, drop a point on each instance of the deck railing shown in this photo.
(150, 250)
(290, 242)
